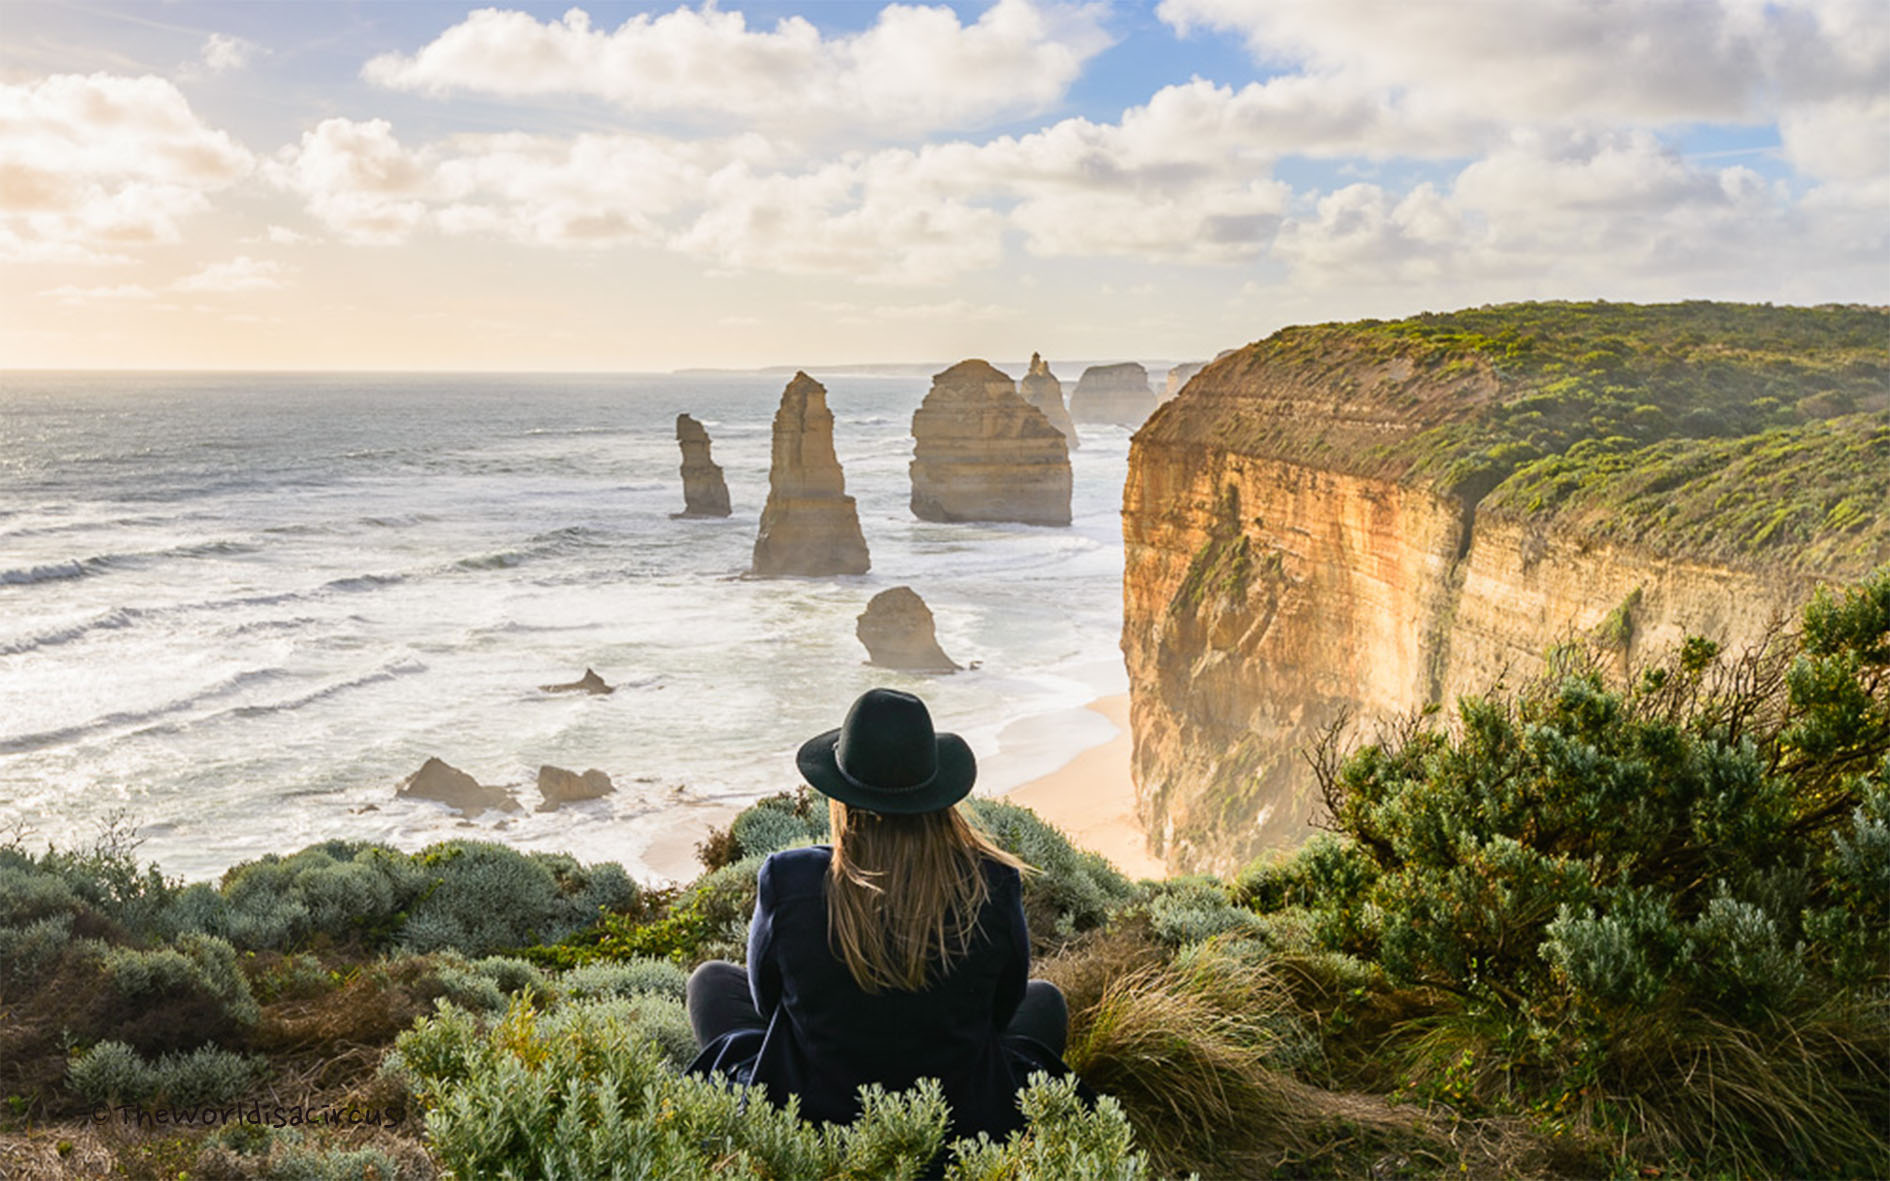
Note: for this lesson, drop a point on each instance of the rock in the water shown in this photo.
(559, 786)
(436, 780)
(810, 525)
(1113, 393)
(1179, 375)
(896, 628)
(982, 453)
(590, 682)
(705, 492)
(1041, 389)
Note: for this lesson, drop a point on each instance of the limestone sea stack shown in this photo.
(705, 492)
(810, 526)
(438, 780)
(1041, 389)
(982, 453)
(1113, 393)
(558, 786)
(897, 629)
(1178, 377)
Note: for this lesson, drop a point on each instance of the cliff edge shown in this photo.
(1357, 521)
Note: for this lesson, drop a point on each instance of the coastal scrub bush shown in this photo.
(1195, 909)
(1643, 892)
(623, 978)
(197, 976)
(484, 897)
(113, 1072)
(1072, 890)
(584, 1091)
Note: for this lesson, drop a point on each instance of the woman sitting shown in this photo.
(895, 954)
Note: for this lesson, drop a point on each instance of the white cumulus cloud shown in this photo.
(93, 165)
(916, 68)
(223, 53)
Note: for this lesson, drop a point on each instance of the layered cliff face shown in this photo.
(705, 492)
(809, 525)
(1346, 523)
(981, 453)
(1041, 389)
(1112, 393)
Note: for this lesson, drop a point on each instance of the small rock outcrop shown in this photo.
(810, 526)
(982, 453)
(559, 786)
(896, 628)
(590, 682)
(436, 780)
(1113, 393)
(1041, 389)
(705, 492)
(1178, 377)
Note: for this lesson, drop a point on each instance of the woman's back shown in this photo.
(897, 953)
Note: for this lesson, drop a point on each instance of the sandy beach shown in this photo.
(1092, 798)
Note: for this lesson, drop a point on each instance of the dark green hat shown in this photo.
(886, 758)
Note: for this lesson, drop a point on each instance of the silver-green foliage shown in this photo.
(202, 963)
(624, 978)
(1076, 889)
(587, 1091)
(113, 1072)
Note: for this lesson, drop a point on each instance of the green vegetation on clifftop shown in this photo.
(1537, 402)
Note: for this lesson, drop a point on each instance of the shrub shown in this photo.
(113, 1072)
(485, 897)
(624, 978)
(1643, 891)
(584, 1092)
(199, 966)
(1072, 891)
(1195, 909)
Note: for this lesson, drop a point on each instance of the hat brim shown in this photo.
(957, 770)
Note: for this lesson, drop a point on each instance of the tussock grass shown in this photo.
(1185, 1046)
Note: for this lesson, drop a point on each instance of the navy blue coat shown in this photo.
(826, 1036)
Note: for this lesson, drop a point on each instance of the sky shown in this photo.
(638, 187)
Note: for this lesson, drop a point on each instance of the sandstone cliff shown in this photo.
(1358, 521)
(1041, 389)
(1112, 393)
(809, 525)
(705, 492)
(981, 453)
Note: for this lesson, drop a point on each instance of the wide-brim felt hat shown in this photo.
(886, 757)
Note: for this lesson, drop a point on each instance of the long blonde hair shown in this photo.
(904, 892)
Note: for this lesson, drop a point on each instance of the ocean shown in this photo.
(236, 610)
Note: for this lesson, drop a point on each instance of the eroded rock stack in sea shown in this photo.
(810, 526)
(898, 632)
(440, 781)
(705, 492)
(1178, 377)
(982, 453)
(557, 786)
(1113, 393)
(1041, 389)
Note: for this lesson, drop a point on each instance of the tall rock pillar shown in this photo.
(810, 526)
(705, 492)
(1041, 389)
